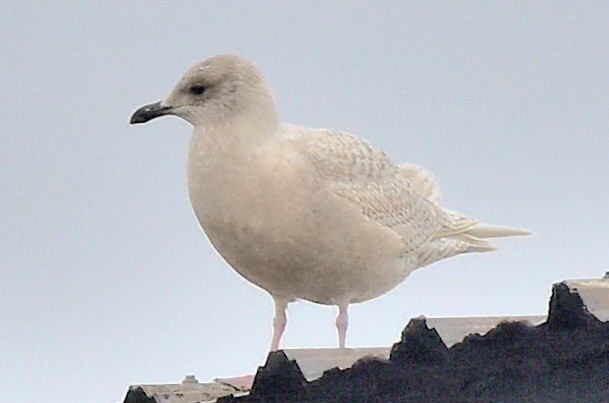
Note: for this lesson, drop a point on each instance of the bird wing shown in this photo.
(423, 181)
(382, 191)
(402, 198)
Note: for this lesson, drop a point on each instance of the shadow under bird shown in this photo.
(303, 213)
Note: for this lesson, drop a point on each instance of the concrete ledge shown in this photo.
(313, 362)
(189, 391)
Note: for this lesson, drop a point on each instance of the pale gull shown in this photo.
(311, 214)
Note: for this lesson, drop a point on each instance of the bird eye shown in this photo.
(197, 89)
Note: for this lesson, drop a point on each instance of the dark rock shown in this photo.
(137, 395)
(419, 345)
(567, 311)
(279, 380)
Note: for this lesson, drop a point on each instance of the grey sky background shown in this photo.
(107, 280)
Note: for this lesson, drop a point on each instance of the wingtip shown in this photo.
(492, 231)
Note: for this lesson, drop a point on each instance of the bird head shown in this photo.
(214, 91)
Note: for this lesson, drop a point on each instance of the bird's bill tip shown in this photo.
(149, 112)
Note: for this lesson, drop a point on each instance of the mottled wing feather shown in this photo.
(355, 171)
(423, 181)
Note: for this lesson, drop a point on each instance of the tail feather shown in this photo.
(475, 244)
(460, 234)
(494, 231)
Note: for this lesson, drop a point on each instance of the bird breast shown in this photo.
(265, 212)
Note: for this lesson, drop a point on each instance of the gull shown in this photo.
(310, 214)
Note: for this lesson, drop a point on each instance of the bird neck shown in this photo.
(238, 136)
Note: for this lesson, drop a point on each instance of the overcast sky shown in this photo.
(106, 279)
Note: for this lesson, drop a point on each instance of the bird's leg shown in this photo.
(245, 382)
(342, 324)
(279, 321)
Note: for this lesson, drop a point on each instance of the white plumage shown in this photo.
(304, 213)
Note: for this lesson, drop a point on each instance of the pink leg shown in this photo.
(279, 321)
(342, 324)
(245, 382)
